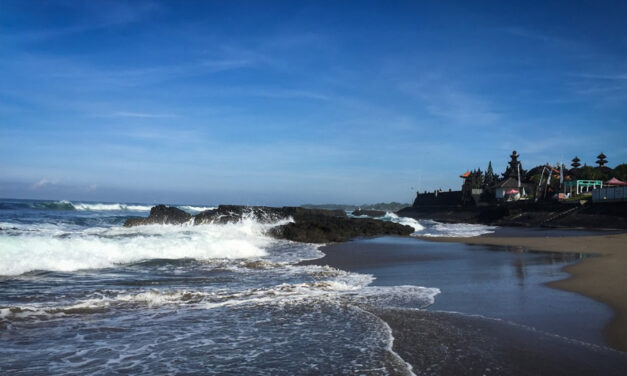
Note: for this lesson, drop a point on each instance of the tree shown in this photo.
(589, 173)
(601, 161)
(575, 163)
(620, 172)
(477, 178)
(490, 177)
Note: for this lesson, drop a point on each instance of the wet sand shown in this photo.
(510, 322)
(601, 278)
(441, 343)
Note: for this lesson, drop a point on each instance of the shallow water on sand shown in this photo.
(497, 282)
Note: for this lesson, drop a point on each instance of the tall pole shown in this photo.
(518, 176)
(548, 180)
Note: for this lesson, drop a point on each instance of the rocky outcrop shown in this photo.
(326, 229)
(370, 213)
(161, 215)
(264, 214)
(309, 225)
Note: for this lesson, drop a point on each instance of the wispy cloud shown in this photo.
(445, 100)
(275, 92)
(44, 182)
(522, 32)
(93, 16)
(603, 88)
(141, 115)
(598, 76)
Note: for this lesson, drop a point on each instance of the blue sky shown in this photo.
(289, 103)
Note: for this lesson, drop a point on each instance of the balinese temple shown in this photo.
(601, 160)
(511, 187)
(513, 167)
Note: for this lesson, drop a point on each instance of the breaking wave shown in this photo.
(427, 227)
(340, 286)
(389, 216)
(108, 207)
(80, 206)
(458, 230)
(94, 206)
(196, 209)
(61, 248)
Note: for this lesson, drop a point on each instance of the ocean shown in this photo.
(81, 294)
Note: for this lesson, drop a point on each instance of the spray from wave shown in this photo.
(195, 209)
(28, 248)
(426, 227)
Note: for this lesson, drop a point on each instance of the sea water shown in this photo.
(430, 228)
(81, 294)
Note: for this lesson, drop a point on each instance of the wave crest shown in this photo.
(26, 249)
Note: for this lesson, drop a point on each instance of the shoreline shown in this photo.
(452, 343)
(448, 339)
(600, 278)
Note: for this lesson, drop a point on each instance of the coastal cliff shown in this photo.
(306, 225)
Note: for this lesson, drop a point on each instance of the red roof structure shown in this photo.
(465, 175)
(616, 182)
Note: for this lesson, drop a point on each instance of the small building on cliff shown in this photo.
(511, 189)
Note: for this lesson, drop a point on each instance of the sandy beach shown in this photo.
(602, 278)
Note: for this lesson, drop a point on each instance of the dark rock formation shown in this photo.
(325, 229)
(161, 215)
(265, 214)
(310, 225)
(370, 213)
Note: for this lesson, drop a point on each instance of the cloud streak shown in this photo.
(43, 183)
(444, 100)
(141, 115)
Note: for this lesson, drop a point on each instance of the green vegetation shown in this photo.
(620, 172)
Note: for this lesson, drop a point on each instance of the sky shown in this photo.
(286, 103)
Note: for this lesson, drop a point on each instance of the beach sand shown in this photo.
(601, 278)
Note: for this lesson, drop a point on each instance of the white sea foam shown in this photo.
(339, 286)
(424, 227)
(109, 207)
(456, 230)
(75, 249)
(196, 209)
(389, 216)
